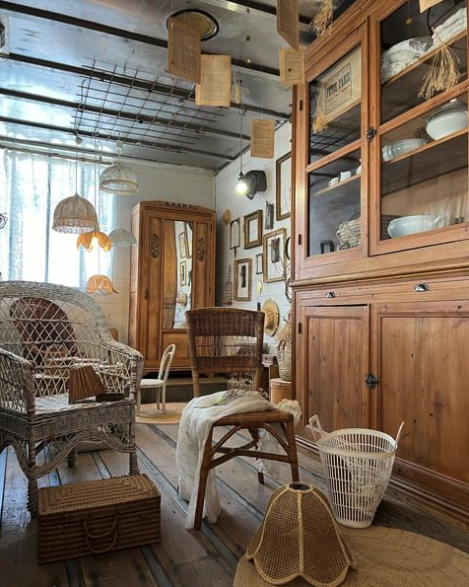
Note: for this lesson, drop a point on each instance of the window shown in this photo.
(30, 188)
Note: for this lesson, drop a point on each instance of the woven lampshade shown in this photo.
(122, 238)
(300, 539)
(75, 215)
(119, 179)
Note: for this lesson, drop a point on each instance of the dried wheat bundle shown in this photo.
(443, 73)
(323, 17)
(84, 382)
(319, 122)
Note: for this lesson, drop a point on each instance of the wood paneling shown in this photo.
(337, 348)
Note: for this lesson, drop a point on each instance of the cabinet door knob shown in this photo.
(422, 287)
(330, 294)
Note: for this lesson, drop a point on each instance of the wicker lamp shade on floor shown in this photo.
(120, 180)
(75, 215)
(299, 538)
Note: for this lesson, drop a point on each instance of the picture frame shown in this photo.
(242, 280)
(269, 216)
(274, 261)
(235, 234)
(253, 230)
(182, 273)
(283, 187)
(182, 245)
(259, 264)
(188, 236)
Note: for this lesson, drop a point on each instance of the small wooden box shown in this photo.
(97, 517)
(280, 390)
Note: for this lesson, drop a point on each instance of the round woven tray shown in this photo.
(387, 558)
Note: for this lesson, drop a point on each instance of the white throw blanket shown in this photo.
(196, 421)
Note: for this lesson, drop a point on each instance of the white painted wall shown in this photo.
(169, 183)
(240, 206)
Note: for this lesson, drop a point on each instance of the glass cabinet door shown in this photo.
(422, 145)
(335, 151)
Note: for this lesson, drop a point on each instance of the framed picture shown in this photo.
(242, 280)
(235, 234)
(188, 233)
(182, 245)
(274, 255)
(269, 216)
(182, 273)
(253, 230)
(284, 187)
(259, 264)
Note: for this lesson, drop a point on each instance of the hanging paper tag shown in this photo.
(288, 22)
(215, 81)
(292, 67)
(184, 51)
(426, 4)
(262, 138)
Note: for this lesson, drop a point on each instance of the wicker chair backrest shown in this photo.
(225, 340)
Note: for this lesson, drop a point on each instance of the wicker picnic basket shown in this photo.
(97, 517)
(349, 233)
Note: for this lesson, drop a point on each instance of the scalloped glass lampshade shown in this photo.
(119, 179)
(75, 215)
(100, 284)
(88, 240)
(122, 238)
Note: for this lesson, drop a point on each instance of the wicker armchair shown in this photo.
(46, 331)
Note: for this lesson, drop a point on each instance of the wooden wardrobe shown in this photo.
(172, 271)
(382, 313)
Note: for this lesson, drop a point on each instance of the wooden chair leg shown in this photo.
(255, 436)
(292, 452)
(204, 471)
(72, 458)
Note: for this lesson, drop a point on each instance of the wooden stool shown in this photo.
(252, 421)
(279, 390)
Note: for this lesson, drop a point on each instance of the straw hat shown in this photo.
(272, 317)
(300, 539)
(226, 216)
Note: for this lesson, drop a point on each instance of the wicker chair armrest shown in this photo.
(119, 353)
(16, 383)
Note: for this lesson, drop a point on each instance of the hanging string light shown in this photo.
(119, 179)
(241, 185)
(75, 215)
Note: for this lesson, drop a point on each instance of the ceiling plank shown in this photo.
(138, 143)
(30, 11)
(152, 87)
(100, 110)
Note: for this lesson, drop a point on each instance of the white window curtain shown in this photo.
(30, 188)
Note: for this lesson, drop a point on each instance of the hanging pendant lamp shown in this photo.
(88, 240)
(122, 238)
(75, 214)
(119, 179)
(100, 284)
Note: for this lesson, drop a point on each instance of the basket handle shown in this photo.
(399, 433)
(315, 424)
(90, 536)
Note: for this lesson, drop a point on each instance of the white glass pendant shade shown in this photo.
(119, 179)
(75, 215)
(122, 238)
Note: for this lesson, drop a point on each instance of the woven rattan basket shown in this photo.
(349, 233)
(97, 517)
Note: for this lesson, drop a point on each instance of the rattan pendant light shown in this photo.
(75, 215)
(119, 179)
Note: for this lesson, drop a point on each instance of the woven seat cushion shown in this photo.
(59, 403)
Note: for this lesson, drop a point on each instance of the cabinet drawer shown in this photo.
(418, 289)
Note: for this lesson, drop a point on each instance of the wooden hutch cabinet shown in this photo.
(381, 224)
(172, 271)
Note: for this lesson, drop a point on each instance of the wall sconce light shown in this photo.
(250, 183)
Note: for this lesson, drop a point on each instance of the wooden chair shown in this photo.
(159, 385)
(229, 340)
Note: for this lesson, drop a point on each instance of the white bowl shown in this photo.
(413, 224)
(402, 147)
(450, 118)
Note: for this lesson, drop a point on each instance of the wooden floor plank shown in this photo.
(116, 569)
(180, 553)
(3, 472)
(18, 546)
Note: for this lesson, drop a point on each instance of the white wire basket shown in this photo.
(358, 464)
